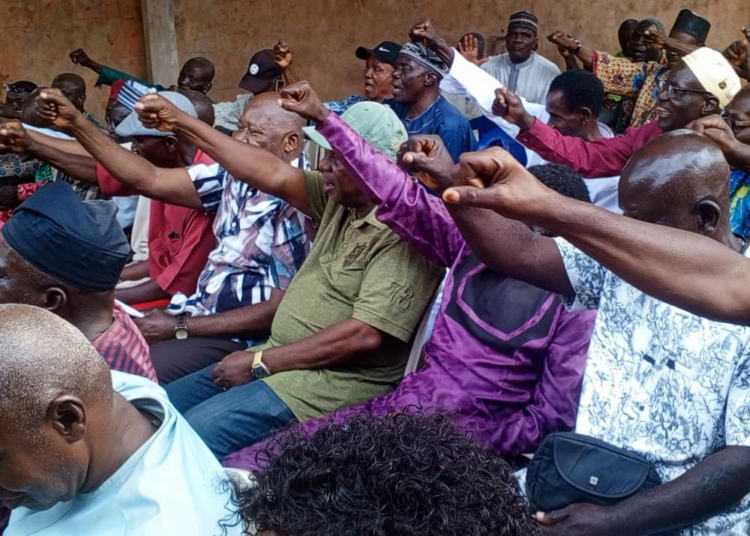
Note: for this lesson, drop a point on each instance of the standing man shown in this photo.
(522, 70)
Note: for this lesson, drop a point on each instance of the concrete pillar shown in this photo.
(161, 41)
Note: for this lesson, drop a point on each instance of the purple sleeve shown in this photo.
(403, 204)
(555, 403)
(601, 158)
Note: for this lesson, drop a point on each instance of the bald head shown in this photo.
(681, 180)
(203, 105)
(43, 357)
(73, 87)
(197, 74)
(267, 125)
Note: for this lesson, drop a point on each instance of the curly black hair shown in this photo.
(405, 475)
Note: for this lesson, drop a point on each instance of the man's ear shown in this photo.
(68, 417)
(171, 144)
(586, 115)
(207, 88)
(711, 106)
(430, 79)
(55, 299)
(291, 142)
(708, 213)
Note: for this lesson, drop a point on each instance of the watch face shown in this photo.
(260, 371)
(181, 334)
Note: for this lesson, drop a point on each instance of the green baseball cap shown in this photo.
(375, 122)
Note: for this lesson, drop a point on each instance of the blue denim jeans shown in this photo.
(228, 420)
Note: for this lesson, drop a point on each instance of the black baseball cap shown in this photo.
(386, 51)
(260, 71)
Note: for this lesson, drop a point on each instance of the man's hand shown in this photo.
(282, 55)
(579, 520)
(469, 49)
(717, 130)
(14, 137)
(234, 370)
(738, 54)
(59, 111)
(563, 40)
(427, 157)
(509, 106)
(423, 32)
(654, 38)
(493, 179)
(155, 111)
(79, 57)
(156, 326)
(301, 99)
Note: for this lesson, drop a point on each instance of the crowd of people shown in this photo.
(480, 297)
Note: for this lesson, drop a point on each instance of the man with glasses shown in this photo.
(701, 84)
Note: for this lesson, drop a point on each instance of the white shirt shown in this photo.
(467, 78)
(530, 79)
(172, 486)
(661, 382)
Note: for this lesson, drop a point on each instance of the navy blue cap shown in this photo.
(77, 242)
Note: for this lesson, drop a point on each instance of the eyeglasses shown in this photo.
(671, 91)
(734, 124)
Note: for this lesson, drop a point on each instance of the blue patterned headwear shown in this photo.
(426, 58)
(524, 19)
(132, 92)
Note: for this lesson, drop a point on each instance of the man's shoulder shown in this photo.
(546, 64)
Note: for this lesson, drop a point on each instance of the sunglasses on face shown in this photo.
(668, 89)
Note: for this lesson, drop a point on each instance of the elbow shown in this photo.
(368, 338)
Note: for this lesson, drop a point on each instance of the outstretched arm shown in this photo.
(17, 138)
(249, 164)
(169, 185)
(685, 269)
(504, 245)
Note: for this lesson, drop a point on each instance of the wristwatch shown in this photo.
(260, 370)
(181, 331)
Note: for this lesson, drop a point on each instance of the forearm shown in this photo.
(331, 347)
(250, 321)
(129, 168)
(685, 269)
(66, 146)
(739, 158)
(82, 168)
(512, 249)
(145, 292)
(252, 165)
(587, 56)
(290, 75)
(571, 64)
(711, 487)
(135, 272)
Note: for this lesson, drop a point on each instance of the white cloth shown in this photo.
(172, 485)
(48, 132)
(661, 382)
(139, 240)
(532, 77)
(467, 78)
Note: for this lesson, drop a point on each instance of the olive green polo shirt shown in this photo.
(358, 268)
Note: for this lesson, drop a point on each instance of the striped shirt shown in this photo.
(123, 347)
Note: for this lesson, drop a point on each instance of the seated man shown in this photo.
(16, 96)
(342, 332)
(659, 381)
(66, 256)
(516, 376)
(378, 75)
(262, 240)
(180, 238)
(402, 475)
(89, 451)
(419, 105)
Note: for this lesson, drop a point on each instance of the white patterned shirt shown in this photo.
(661, 382)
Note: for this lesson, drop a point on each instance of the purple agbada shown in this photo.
(504, 355)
